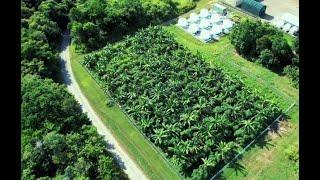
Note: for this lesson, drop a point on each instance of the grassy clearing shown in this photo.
(266, 162)
(127, 135)
(223, 54)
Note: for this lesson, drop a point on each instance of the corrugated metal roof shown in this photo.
(254, 7)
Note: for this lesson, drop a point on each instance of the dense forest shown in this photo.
(196, 114)
(57, 139)
(96, 22)
(265, 44)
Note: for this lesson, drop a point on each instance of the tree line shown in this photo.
(265, 44)
(94, 23)
(196, 114)
(57, 139)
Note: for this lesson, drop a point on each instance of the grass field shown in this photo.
(256, 165)
(149, 160)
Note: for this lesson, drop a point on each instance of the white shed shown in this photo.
(290, 18)
(182, 22)
(293, 30)
(215, 18)
(205, 35)
(279, 23)
(286, 27)
(205, 24)
(193, 28)
(227, 24)
(194, 18)
(204, 13)
(216, 29)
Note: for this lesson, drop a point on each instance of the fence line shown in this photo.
(107, 93)
(254, 140)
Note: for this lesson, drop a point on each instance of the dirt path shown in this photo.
(127, 164)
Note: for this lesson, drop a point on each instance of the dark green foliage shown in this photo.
(37, 57)
(293, 73)
(26, 12)
(281, 50)
(264, 43)
(57, 11)
(267, 59)
(41, 23)
(57, 138)
(295, 47)
(47, 103)
(38, 21)
(96, 22)
(196, 114)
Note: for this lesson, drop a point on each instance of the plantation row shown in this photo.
(197, 115)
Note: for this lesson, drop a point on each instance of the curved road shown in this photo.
(127, 164)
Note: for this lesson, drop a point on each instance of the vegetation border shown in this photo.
(107, 93)
(254, 140)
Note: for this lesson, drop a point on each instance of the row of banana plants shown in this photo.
(196, 114)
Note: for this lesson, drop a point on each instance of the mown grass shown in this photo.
(269, 84)
(149, 160)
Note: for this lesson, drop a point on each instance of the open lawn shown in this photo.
(149, 160)
(270, 84)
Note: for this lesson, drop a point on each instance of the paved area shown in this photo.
(276, 8)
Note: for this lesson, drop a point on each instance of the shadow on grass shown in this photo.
(264, 142)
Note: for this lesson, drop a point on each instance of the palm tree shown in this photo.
(159, 135)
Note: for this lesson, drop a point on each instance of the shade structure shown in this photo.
(254, 7)
(293, 30)
(205, 24)
(279, 23)
(227, 24)
(286, 27)
(215, 37)
(182, 22)
(215, 18)
(226, 31)
(204, 13)
(194, 18)
(216, 29)
(290, 18)
(205, 35)
(193, 28)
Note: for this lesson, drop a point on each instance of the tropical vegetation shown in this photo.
(58, 140)
(265, 44)
(94, 23)
(197, 115)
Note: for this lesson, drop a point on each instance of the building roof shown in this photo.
(254, 7)
(215, 18)
(205, 23)
(193, 28)
(216, 29)
(193, 17)
(286, 27)
(204, 13)
(290, 18)
(182, 22)
(205, 35)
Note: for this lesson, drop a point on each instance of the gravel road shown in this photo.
(124, 160)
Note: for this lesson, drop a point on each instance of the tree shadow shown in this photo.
(262, 142)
